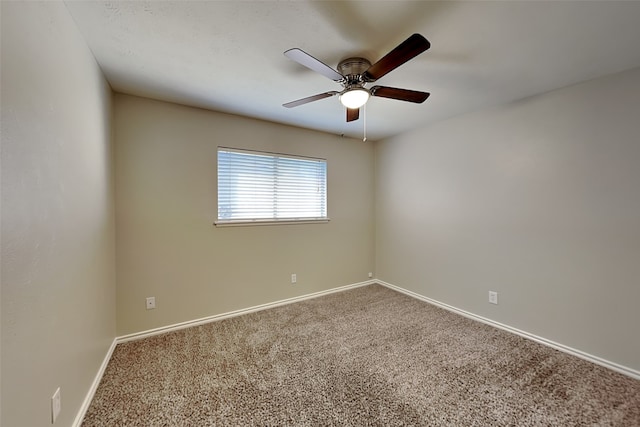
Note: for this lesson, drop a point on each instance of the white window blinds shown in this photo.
(257, 186)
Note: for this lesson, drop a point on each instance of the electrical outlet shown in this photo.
(493, 297)
(294, 278)
(151, 303)
(370, 275)
(56, 405)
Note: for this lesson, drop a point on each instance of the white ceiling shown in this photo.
(228, 55)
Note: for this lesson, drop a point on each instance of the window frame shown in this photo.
(269, 221)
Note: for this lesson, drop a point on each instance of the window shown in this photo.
(256, 187)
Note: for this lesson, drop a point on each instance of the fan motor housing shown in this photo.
(352, 69)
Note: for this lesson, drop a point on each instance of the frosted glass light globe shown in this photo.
(354, 98)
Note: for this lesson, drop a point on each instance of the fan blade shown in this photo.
(399, 94)
(408, 49)
(310, 99)
(353, 114)
(303, 58)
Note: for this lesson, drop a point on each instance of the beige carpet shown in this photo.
(368, 356)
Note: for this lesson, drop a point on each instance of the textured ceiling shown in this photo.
(228, 55)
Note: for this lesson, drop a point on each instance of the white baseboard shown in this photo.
(208, 319)
(94, 386)
(566, 349)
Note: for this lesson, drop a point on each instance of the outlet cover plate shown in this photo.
(151, 303)
(493, 297)
(56, 405)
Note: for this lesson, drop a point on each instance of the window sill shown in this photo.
(252, 222)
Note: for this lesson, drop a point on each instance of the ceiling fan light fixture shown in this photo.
(354, 98)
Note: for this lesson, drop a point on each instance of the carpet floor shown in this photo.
(367, 356)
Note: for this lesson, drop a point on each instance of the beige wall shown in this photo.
(538, 200)
(58, 284)
(167, 246)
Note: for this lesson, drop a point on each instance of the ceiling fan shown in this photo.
(355, 73)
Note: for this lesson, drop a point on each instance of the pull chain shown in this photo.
(364, 123)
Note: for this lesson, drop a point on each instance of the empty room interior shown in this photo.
(467, 252)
